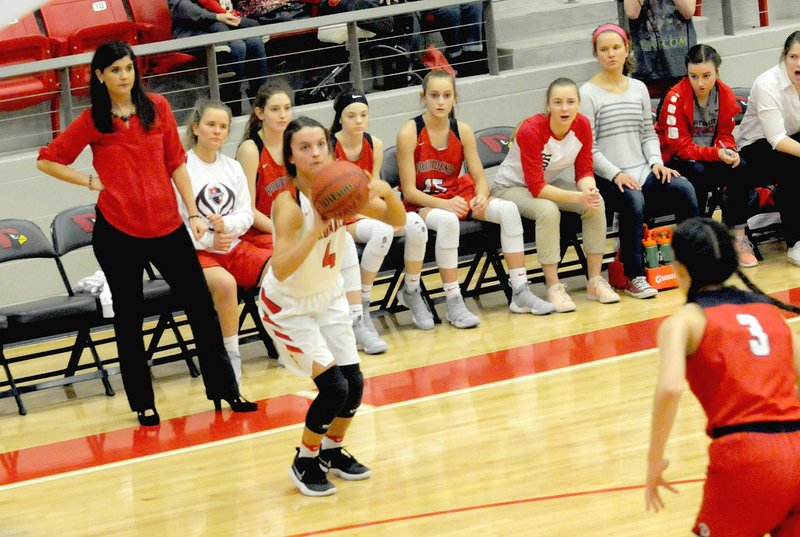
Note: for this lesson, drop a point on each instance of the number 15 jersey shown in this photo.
(743, 371)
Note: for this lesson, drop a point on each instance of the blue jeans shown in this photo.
(635, 206)
(460, 27)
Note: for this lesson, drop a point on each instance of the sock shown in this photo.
(451, 289)
(356, 311)
(308, 451)
(366, 293)
(331, 442)
(231, 343)
(518, 277)
(412, 281)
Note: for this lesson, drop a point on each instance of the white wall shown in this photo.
(483, 101)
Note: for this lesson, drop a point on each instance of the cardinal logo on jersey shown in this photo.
(11, 238)
(85, 221)
(498, 143)
(215, 198)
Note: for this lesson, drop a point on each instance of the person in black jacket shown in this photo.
(248, 56)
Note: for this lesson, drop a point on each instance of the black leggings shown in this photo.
(123, 258)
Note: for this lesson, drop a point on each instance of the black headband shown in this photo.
(341, 104)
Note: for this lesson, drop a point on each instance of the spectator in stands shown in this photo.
(769, 141)
(138, 157)
(261, 155)
(350, 141)
(431, 151)
(544, 147)
(461, 28)
(248, 56)
(662, 33)
(220, 191)
(695, 127)
(632, 177)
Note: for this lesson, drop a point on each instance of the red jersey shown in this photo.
(135, 165)
(271, 180)
(743, 371)
(438, 171)
(365, 161)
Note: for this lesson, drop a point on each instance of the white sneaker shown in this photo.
(458, 315)
(793, 255)
(420, 314)
(599, 289)
(368, 340)
(523, 301)
(557, 295)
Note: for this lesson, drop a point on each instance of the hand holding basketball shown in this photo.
(340, 190)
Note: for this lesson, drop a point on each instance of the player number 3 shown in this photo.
(759, 343)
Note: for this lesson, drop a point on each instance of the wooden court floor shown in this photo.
(526, 426)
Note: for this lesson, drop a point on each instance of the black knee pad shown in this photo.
(355, 383)
(332, 396)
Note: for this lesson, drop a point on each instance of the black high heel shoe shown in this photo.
(150, 420)
(239, 404)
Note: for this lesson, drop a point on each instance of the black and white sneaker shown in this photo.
(307, 475)
(342, 463)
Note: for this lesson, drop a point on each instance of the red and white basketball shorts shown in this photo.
(245, 262)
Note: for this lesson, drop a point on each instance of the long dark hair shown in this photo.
(705, 248)
(294, 126)
(105, 55)
(260, 101)
(703, 53)
(793, 38)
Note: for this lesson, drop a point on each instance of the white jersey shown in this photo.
(218, 188)
(320, 271)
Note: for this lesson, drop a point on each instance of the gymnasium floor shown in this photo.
(527, 426)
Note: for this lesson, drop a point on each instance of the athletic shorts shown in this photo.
(752, 486)
(307, 330)
(257, 238)
(465, 188)
(245, 262)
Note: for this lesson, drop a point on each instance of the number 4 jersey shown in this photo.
(321, 270)
(742, 371)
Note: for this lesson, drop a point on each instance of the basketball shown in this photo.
(340, 190)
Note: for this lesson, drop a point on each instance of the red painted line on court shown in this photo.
(177, 433)
(483, 506)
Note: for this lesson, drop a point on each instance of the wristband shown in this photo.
(617, 175)
(195, 216)
(89, 185)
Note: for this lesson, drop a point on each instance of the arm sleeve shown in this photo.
(239, 220)
(677, 132)
(530, 142)
(584, 166)
(602, 166)
(212, 5)
(651, 147)
(770, 114)
(70, 143)
(189, 10)
(206, 242)
(174, 154)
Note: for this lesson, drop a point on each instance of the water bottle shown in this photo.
(665, 249)
(650, 253)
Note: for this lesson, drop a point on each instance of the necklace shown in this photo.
(125, 118)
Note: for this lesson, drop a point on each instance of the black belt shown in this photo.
(768, 427)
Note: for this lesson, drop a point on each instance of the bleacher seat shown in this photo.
(155, 25)
(22, 42)
(82, 25)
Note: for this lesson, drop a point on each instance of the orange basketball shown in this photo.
(340, 190)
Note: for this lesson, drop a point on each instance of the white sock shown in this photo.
(518, 277)
(412, 281)
(330, 443)
(356, 311)
(231, 343)
(451, 289)
(308, 451)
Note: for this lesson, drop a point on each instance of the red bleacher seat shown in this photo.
(21, 42)
(155, 23)
(82, 25)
